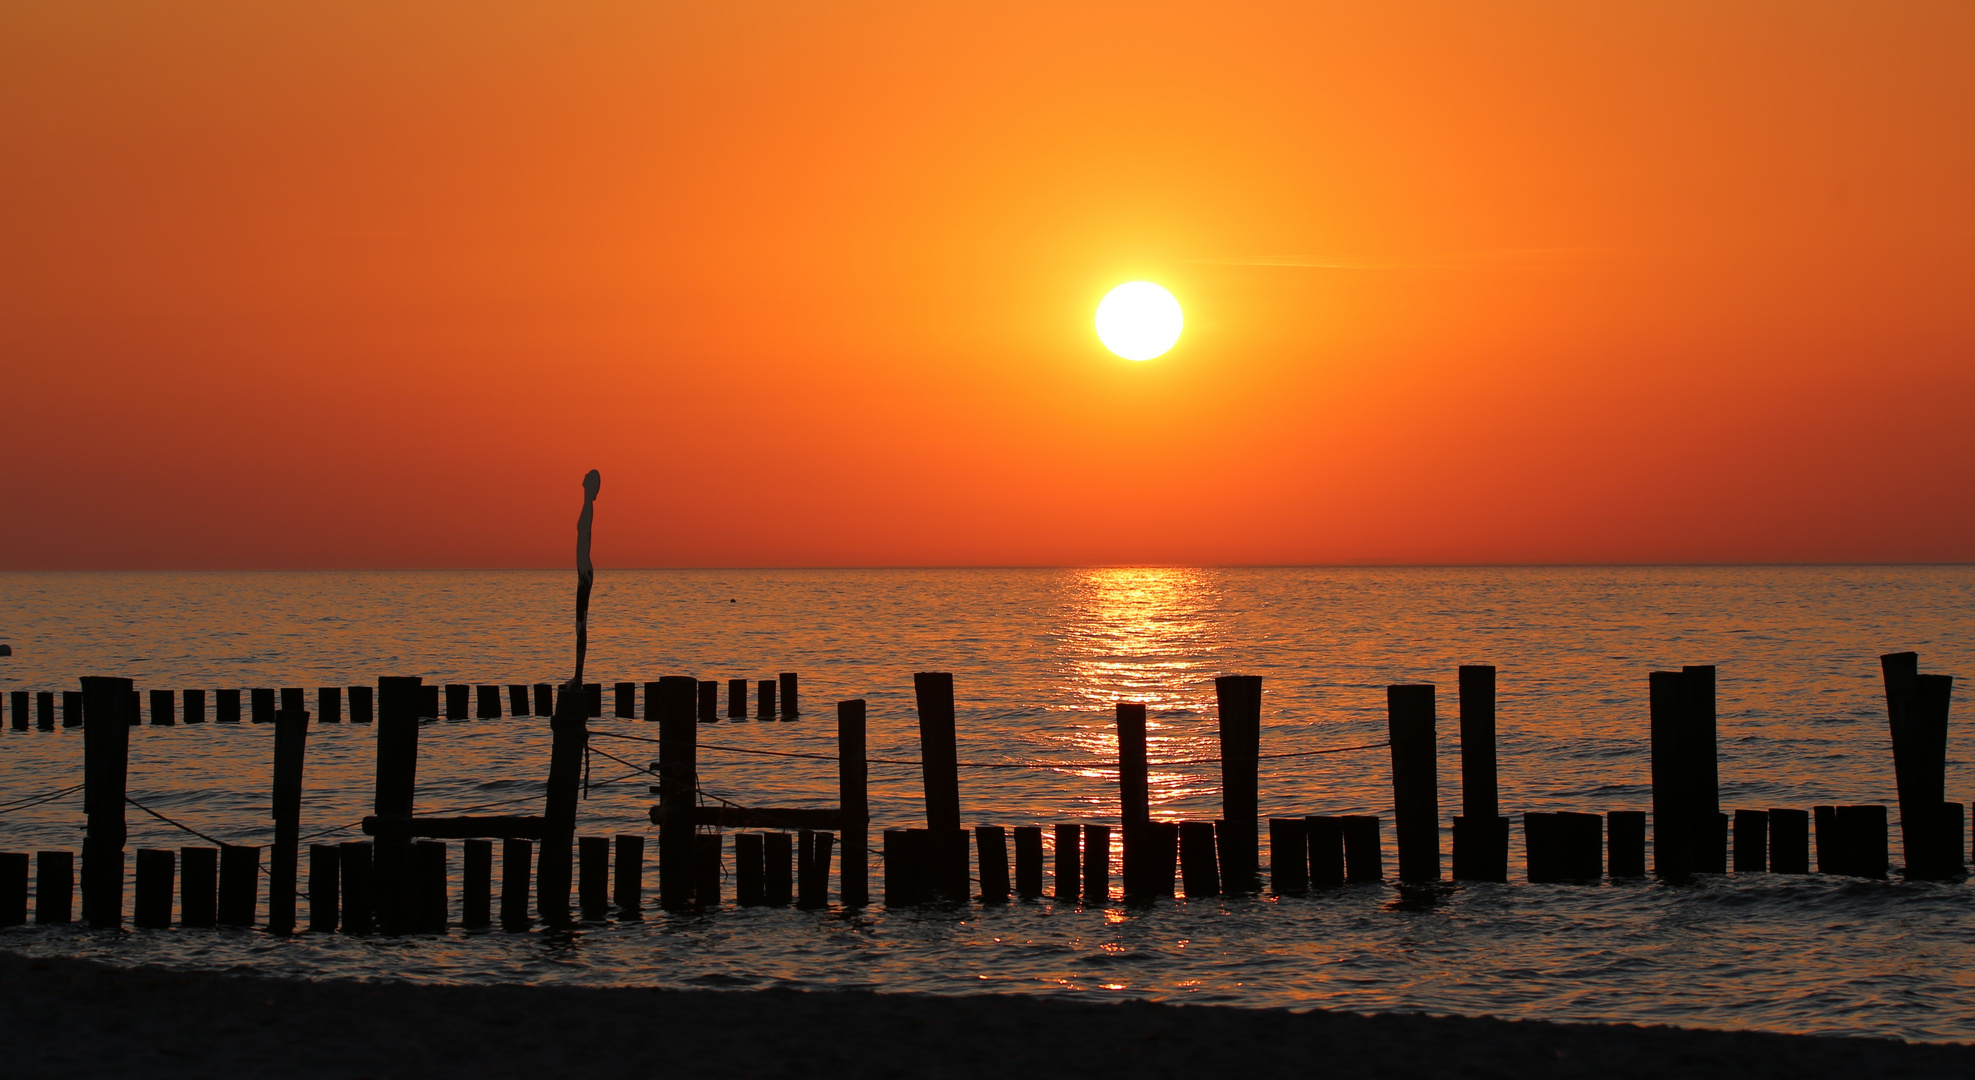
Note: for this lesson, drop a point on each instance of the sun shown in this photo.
(1139, 320)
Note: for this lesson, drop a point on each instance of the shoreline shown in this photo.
(70, 1017)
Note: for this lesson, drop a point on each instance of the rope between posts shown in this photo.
(37, 800)
(997, 764)
(175, 824)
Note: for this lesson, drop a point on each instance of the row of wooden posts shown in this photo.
(397, 880)
(775, 699)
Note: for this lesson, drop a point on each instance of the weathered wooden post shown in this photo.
(747, 869)
(194, 705)
(362, 704)
(678, 779)
(1325, 835)
(18, 709)
(1481, 834)
(852, 802)
(593, 881)
(1239, 703)
(777, 883)
(1097, 865)
(544, 699)
(1364, 859)
(1751, 841)
(1134, 797)
(517, 700)
(570, 737)
(940, 770)
(261, 701)
(813, 890)
(54, 886)
(764, 700)
(1564, 846)
(398, 707)
(629, 864)
(1028, 862)
(706, 870)
(356, 865)
(1415, 783)
(709, 702)
(328, 705)
(152, 910)
(72, 708)
(516, 855)
(105, 764)
(1199, 872)
(626, 704)
(476, 884)
(790, 706)
(44, 710)
(430, 909)
(486, 702)
(991, 849)
(291, 733)
(1069, 863)
(1917, 707)
(1625, 843)
(162, 708)
(736, 699)
(239, 884)
(325, 883)
(456, 694)
(198, 889)
(1709, 839)
(1673, 824)
(1789, 841)
(1289, 856)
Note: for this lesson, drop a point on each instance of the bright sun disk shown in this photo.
(1139, 320)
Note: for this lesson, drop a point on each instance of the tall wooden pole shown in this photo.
(106, 765)
(1415, 785)
(678, 784)
(852, 777)
(291, 732)
(1239, 702)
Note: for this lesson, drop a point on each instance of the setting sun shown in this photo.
(1139, 320)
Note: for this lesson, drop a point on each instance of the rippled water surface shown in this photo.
(1038, 658)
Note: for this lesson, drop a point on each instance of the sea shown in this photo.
(1039, 659)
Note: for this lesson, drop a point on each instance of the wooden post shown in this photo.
(13, 889)
(1709, 839)
(517, 700)
(1751, 841)
(329, 704)
(991, 849)
(764, 700)
(486, 702)
(18, 708)
(1789, 841)
(544, 699)
(1625, 832)
(1672, 813)
(1069, 863)
(1862, 838)
(44, 710)
(1364, 859)
(456, 700)
(1289, 856)
(398, 709)
(736, 699)
(54, 886)
(593, 882)
(1325, 836)
(678, 767)
(940, 773)
(1162, 838)
(777, 884)
(709, 702)
(569, 740)
(1830, 860)
(747, 869)
(898, 877)
(194, 705)
(431, 910)
(1415, 784)
(72, 707)
(1198, 869)
(629, 865)
(325, 886)
(1239, 703)
(1134, 795)
(790, 708)
(226, 706)
(162, 709)
(1564, 846)
(1481, 834)
(627, 701)
(813, 890)
(362, 704)
(155, 873)
(239, 884)
(292, 700)
(516, 854)
(476, 884)
(1920, 743)
(706, 870)
(261, 698)
(853, 805)
(356, 866)
(1097, 865)
(428, 703)
(134, 710)
(198, 904)
(105, 770)
(1028, 861)
(291, 733)
(593, 699)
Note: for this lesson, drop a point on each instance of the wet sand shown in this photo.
(79, 1018)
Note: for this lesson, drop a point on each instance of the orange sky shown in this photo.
(373, 284)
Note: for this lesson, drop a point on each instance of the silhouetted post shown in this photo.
(1917, 706)
(991, 849)
(1415, 786)
(1069, 863)
(72, 708)
(1862, 838)
(105, 769)
(764, 700)
(292, 700)
(1481, 834)
(1953, 838)
(1625, 832)
(544, 699)
(476, 884)
(517, 700)
(813, 887)
(678, 770)
(747, 869)
(44, 710)
(1325, 835)
(430, 911)
(940, 770)
(456, 694)
(362, 702)
(198, 889)
(593, 882)
(398, 701)
(325, 883)
(134, 711)
(777, 884)
(1097, 864)
(162, 709)
(901, 874)
(1238, 700)
(627, 700)
(1830, 859)
(570, 737)
(13, 889)
(291, 733)
(155, 872)
(226, 706)
(736, 699)
(852, 775)
(1028, 861)
(630, 876)
(1673, 824)
(239, 884)
(486, 702)
(593, 699)
(1289, 856)
(1564, 846)
(1789, 841)
(516, 855)
(261, 698)
(1364, 859)
(194, 705)
(356, 865)
(1751, 841)
(1134, 794)
(54, 886)
(709, 702)
(1199, 871)
(706, 870)
(329, 704)
(790, 706)
(1710, 839)
(428, 702)
(18, 709)
(1162, 857)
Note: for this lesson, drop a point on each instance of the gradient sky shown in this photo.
(372, 284)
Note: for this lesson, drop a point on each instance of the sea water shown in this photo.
(1039, 657)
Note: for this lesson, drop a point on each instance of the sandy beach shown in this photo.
(79, 1018)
